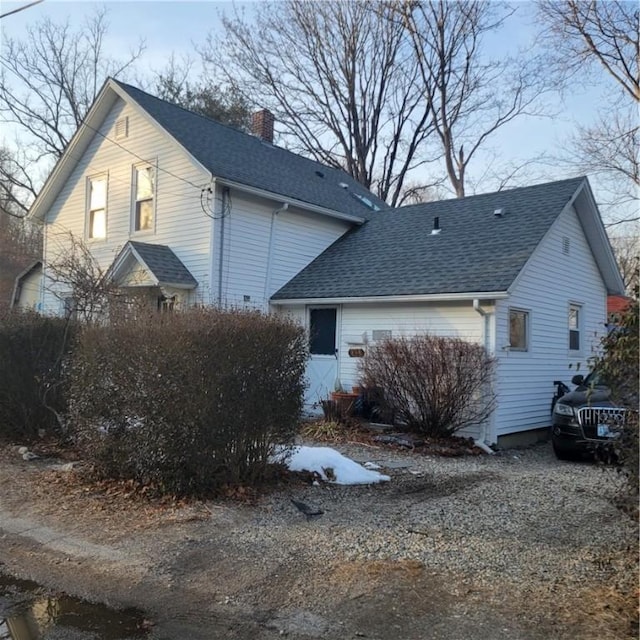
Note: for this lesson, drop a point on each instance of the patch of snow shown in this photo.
(330, 464)
(371, 465)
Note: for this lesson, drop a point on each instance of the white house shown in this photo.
(192, 211)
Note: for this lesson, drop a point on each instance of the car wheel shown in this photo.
(561, 452)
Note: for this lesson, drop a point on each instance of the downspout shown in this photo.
(223, 215)
(45, 235)
(481, 442)
(267, 276)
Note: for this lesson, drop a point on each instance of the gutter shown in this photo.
(427, 297)
(291, 201)
(481, 442)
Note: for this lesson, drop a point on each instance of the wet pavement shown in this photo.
(29, 612)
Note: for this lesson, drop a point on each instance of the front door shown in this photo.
(322, 369)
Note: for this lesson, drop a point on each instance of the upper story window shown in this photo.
(518, 330)
(144, 192)
(97, 208)
(575, 318)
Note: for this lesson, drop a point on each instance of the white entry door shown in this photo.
(322, 368)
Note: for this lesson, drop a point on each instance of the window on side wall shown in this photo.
(575, 318)
(97, 208)
(518, 330)
(144, 195)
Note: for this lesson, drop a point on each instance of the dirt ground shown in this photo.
(258, 569)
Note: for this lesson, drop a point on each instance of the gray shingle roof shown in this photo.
(395, 254)
(240, 157)
(164, 264)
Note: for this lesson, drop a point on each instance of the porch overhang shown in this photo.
(140, 264)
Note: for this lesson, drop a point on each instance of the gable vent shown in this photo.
(122, 128)
(566, 245)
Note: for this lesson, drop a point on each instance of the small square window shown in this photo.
(574, 327)
(144, 189)
(518, 330)
(97, 208)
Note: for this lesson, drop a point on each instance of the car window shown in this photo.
(595, 379)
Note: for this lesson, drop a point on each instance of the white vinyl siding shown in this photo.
(551, 281)
(358, 321)
(264, 247)
(180, 222)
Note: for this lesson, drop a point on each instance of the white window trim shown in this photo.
(580, 308)
(134, 200)
(87, 209)
(527, 330)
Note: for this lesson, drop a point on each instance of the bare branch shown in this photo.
(341, 81)
(48, 82)
(470, 97)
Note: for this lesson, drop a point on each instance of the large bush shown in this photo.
(187, 402)
(434, 385)
(33, 350)
(620, 365)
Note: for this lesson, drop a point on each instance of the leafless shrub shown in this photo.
(187, 402)
(434, 385)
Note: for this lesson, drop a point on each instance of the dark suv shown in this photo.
(585, 420)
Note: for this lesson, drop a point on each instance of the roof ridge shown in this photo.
(491, 193)
(235, 130)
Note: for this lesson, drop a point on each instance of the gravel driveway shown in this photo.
(516, 545)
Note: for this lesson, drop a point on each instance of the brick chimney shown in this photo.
(262, 125)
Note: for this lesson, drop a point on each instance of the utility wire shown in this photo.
(26, 6)
(193, 184)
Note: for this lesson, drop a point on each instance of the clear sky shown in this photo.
(178, 27)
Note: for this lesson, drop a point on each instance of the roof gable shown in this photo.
(224, 152)
(483, 244)
(246, 159)
(142, 264)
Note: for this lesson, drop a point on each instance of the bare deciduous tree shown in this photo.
(469, 96)
(20, 240)
(583, 34)
(627, 251)
(341, 81)
(602, 32)
(48, 81)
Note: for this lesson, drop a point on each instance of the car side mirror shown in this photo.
(577, 380)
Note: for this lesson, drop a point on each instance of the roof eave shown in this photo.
(598, 240)
(269, 195)
(427, 297)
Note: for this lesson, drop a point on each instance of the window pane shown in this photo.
(98, 224)
(144, 214)
(574, 340)
(144, 183)
(573, 318)
(322, 331)
(98, 195)
(574, 328)
(518, 321)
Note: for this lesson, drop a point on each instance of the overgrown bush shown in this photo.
(33, 351)
(434, 385)
(187, 402)
(620, 366)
